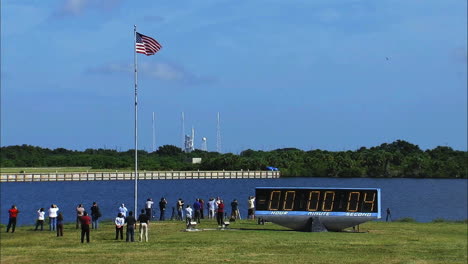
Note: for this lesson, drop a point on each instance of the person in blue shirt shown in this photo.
(197, 208)
(123, 210)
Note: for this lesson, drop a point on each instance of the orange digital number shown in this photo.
(314, 197)
(288, 203)
(353, 208)
(372, 202)
(274, 200)
(329, 197)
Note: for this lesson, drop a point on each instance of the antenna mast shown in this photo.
(183, 131)
(192, 146)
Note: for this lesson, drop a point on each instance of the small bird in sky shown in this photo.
(387, 58)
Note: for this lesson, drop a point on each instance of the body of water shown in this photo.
(421, 199)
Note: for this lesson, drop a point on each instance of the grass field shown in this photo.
(245, 242)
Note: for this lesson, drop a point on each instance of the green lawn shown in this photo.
(245, 242)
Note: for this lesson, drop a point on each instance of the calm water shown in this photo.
(421, 199)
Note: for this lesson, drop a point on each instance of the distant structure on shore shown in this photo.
(188, 141)
(204, 147)
(188, 144)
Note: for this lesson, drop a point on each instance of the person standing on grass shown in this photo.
(162, 209)
(188, 216)
(131, 222)
(95, 214)
(211, 208)
(79, 213)
(149, 207)
(180, 208)
(53, 217)
(40, 219)
(389, 215)
(85, 222)
(234, 209)
(60, 224)
(217, 201)
(220, 214)
(197, 208)
(251, 211)
(123, 210)
(119, 224)
(202, 207)
(144, 222)
(13, 214)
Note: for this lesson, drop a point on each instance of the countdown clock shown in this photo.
(317, 209)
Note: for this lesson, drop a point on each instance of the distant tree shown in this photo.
(169, 150)
(396, 159)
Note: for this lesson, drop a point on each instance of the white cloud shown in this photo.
(159, 70)
(74, 7)
(79, 7)
(164, 71)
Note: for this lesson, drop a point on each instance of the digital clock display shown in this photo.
(317, 200)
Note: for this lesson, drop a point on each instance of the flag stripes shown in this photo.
(146, 45)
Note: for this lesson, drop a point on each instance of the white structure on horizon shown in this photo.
(204, 147)
(189, 140)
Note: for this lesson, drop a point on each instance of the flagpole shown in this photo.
(136, 122)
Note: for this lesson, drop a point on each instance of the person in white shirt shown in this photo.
(53, 217)
(149, 206)
(123, 210)
(251, 212)
(40, 219)
(188, 215)
(211, 208)
(119, 225)
(79, 213)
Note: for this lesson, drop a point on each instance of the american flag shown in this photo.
(146, 45)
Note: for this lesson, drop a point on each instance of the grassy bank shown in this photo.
(246, 242)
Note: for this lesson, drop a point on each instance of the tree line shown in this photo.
(396, 159)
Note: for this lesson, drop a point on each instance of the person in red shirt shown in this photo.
(13, 212)
(220, 215)
(85, 222)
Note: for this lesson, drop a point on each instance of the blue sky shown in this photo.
(323, 74)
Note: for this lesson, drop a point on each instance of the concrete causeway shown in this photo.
(143, 175)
